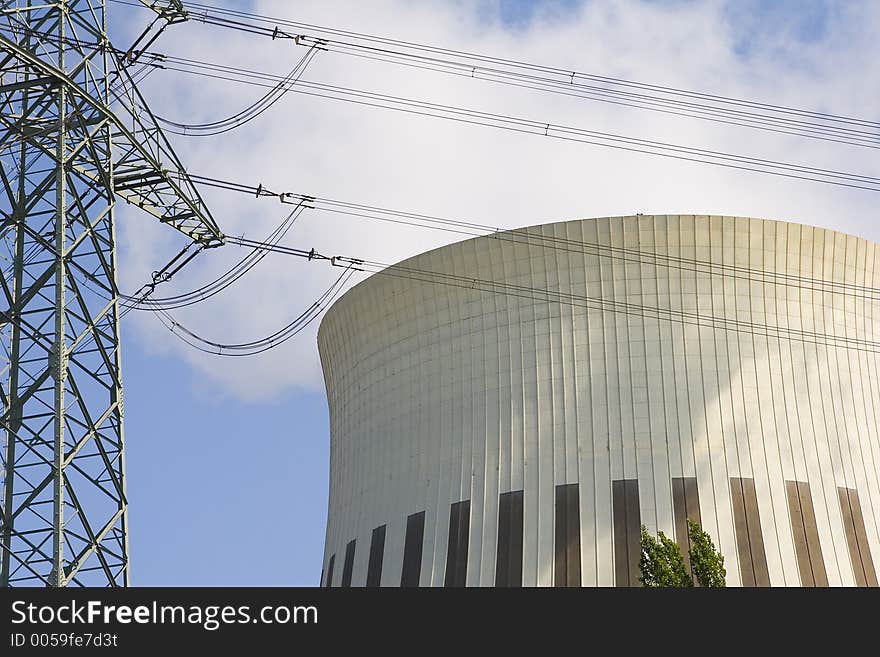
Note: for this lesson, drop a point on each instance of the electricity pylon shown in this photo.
(75, 135)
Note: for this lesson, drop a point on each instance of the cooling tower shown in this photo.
(510, 409)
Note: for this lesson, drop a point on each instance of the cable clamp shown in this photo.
(348, 263)
(160, 277)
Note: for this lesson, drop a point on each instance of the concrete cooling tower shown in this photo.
(510, 409)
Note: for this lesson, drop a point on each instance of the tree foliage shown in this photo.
(707, 562)
(662, 564)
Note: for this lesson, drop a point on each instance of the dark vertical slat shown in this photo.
(464, 533)
(692, 499)
(801, 549)
(618, 510)
(508, 557)
(329, 581)
(862, 538)
(348, 566)
(744, 552)
(561, 534)
(633, 529)
(685, 506)
(692, 508)
(461, 559)
(811, 531)
(412, 550)
(502, 550)
(377, 554)
(457, 545)
(679, 517)
(451, 545)
(573, 542)
(516, 539)
(567, 549)
(851, 541)
(756, 536)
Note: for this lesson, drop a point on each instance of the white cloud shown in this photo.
(493, 177)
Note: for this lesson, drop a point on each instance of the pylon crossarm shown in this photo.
(146, 168)
(171, 10)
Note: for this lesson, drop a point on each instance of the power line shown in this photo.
(693, 318)
(142, 300)
(254, 347)
(521, 236)
(521, 125)
(543, 294)
(400, 270)
(529, 126)
(768, 122)
(526, 237)
(249, 113)
(712, 107)
(224, 280)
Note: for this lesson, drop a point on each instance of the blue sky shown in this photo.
(228, 462)
(221, 492)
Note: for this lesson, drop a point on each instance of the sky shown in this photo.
(228, 458)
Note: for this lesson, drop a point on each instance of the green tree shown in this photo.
(662, 565)
(707, 563)
(661, 562)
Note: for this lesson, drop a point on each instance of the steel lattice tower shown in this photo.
(74, 136)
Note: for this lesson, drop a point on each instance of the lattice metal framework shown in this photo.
(74, 134)
(171, 11)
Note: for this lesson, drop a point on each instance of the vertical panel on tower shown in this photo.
(862, 538)
(747, 573)
(633, 529)
(685, 506)
(573, 524)
(412, 550)
(811, 528)
(567, 544)
(806, 534)
(627, 531)
(856, 537)
(377, 553)
(802, 552)
(692, 498)
(457, 545)
(749, 538)
(618, 508)
(329, 581)
(508, 558)
(348, 566)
